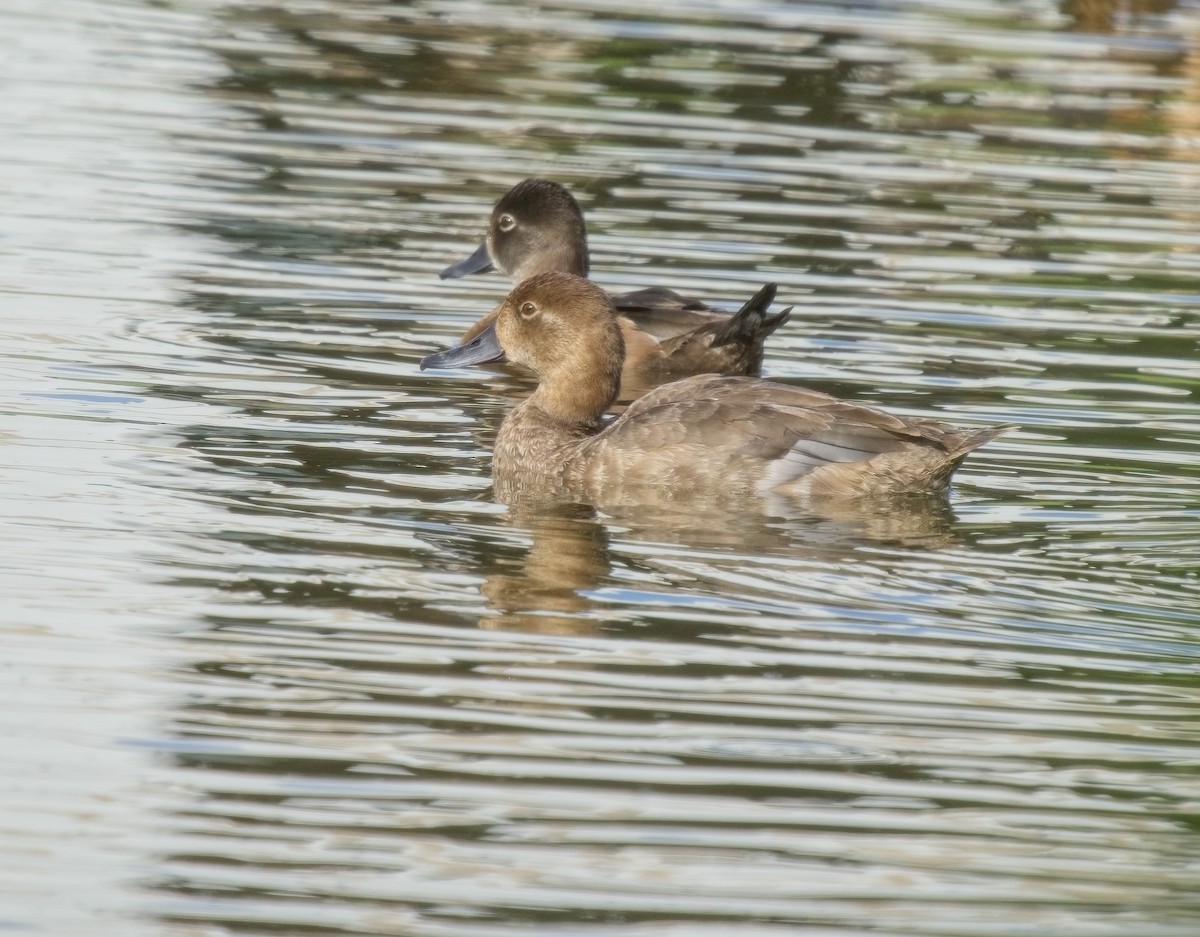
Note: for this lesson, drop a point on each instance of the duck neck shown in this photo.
(576, 402)
(544, 432)
(569, 255)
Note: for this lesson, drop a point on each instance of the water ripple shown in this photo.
(355, 695)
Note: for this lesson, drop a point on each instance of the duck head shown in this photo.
(564, 329)
(536, 227)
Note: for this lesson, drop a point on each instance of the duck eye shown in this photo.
(507, 222)
(528, 310)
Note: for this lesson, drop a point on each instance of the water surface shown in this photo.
(276, 661)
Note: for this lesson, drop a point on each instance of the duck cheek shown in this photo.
(496, 247)
(509, 332)
(532, 346)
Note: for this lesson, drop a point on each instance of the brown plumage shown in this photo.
(537, 227)
(720, 437)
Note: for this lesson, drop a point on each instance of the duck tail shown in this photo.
(751, 323)
(970, 440)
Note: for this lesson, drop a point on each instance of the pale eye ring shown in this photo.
(507, 223)
(528, 310)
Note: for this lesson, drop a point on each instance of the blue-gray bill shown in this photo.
(478, 262)
(483, 348)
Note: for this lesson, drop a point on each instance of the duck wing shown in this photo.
(665, 313)
(731, 345)
(715, 430)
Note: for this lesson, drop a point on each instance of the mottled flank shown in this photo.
(537, 227)
(726, 437)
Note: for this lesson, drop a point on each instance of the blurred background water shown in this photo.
(275, 662)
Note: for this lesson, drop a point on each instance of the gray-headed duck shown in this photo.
(712, 436)
(537, 227)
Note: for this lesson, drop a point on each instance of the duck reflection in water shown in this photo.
(547, 590)
(538, 227)
(554, 587)
(708, 439)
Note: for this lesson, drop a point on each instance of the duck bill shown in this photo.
(479, 262)
(482, 349)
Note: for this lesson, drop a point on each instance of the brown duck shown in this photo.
(537, 227)
(711, 436)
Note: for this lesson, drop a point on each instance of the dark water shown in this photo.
(274, 660)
